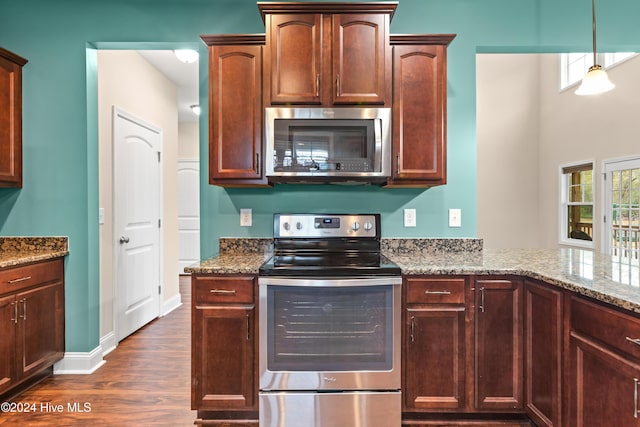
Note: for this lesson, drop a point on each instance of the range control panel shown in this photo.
(326, 225)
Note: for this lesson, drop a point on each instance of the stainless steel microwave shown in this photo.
(328, 144)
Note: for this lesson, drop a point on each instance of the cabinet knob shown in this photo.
(124, 239)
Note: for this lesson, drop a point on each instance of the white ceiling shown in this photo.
(185, 77)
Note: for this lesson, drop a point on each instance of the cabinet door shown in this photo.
(235, 140)
(434, 358)
(8, 316)
(419, 115)
(543, 361)
(223, 358)
(40, 333)
(10, 119)
(360, 58)
(295, 57)
(603, 386)
(499, 347)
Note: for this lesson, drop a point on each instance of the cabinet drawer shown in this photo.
(223, 289)
(435, 291)
(617, 329)
(17, 278)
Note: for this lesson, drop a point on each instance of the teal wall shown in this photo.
(60, 130)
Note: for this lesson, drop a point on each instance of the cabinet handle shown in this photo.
(14, 319)
(437, 292)
(24, 309)
(338, 85)
(21, 279)
(317, 85)
(633, 340)
(398, 164)
(223, 291)
(635, 398)
(257, 164)
(248, 328)
(482, 300)
(413, 328)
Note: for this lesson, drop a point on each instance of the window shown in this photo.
(576, 224)
(622, 213)
(573, 66)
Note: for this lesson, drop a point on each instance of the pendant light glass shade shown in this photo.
(596, 80)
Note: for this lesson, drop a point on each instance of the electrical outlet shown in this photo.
(409, 217)
(455, 217)
(246, 219)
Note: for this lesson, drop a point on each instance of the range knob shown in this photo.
(368, 226)
(286, 226)
(299, 225)
(355, 226)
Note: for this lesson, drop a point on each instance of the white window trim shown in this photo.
(562, 211)
(627, 161)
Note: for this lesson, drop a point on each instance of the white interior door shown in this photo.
(188, 212)
(137, 188)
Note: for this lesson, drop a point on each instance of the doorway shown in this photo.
(127, 79)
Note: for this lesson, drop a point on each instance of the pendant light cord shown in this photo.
(593, 14)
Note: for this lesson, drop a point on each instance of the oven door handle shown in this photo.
(342, 281)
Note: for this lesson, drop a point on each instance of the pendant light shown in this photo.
(596, 80)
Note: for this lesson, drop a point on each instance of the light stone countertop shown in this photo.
(16, 251)
(604, 278)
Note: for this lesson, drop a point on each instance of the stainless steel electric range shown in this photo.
(329, 325)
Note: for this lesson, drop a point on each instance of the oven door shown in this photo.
(329, 334)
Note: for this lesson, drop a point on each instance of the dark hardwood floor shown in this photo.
(145, 382)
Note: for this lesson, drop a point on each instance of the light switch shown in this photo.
(409, 217)
(246, 219)
(101, 216)
(455, 217)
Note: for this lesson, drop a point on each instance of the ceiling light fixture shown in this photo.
(596, 80)
(187, 56)
(196, 109)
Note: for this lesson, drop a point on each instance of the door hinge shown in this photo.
(158, 157)
(159, 290)
(159, 223)
(604, 219)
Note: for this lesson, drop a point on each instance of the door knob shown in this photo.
(124, 240)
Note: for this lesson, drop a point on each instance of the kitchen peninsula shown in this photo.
(516, 335)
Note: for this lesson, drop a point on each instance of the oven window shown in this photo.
(324, 145)
(329, 329)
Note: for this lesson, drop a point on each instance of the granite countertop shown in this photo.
(16, 251)
(605, 278)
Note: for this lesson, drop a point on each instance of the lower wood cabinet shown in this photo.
(434, 344)
(31, 321)
(603, 366)
(543, 353)
(499, 379)
(224, 348)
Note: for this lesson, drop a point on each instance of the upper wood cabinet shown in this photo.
(327, 54)
(419, 110)
(235, 110)
(10, 118)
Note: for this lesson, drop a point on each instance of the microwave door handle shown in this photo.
(377, 164)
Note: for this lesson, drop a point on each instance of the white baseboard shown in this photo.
(82, 363)
(108, 343)
(171, 304)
